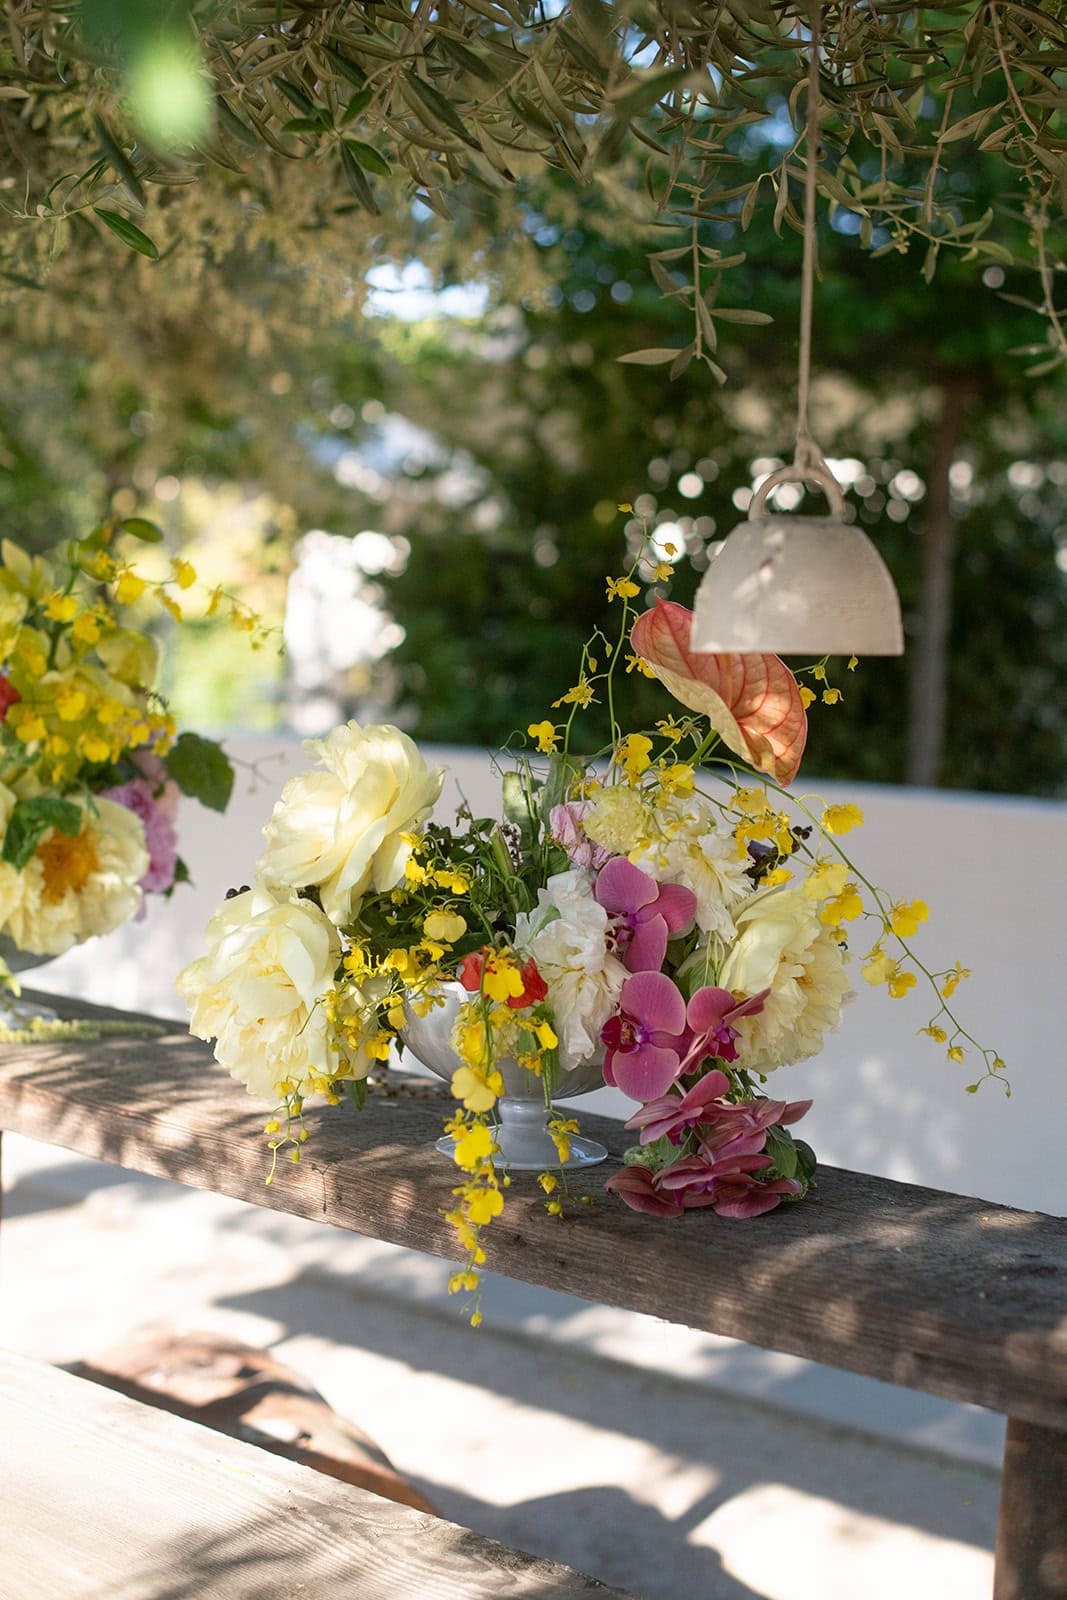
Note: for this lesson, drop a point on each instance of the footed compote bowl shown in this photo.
(523, 1110)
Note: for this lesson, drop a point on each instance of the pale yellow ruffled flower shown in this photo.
(259, 991)
(345, 826)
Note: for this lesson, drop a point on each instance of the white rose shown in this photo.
(257, 992)
(567, 935)
(75, 888)
(339, 827)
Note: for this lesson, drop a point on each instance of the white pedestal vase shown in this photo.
(524, 1109)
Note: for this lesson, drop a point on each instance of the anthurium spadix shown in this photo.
(752, 701)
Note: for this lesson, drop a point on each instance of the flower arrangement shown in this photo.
(655, 905)
(91, 761)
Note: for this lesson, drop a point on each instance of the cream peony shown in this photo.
(75, 888)
(340, 826)
(567, 935)
(257, 992)
(701, 858)
(782, 945)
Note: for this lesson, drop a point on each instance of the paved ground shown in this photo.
(675, 1465)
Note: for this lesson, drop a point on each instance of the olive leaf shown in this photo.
(128, 232)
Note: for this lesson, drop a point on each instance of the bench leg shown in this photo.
(1032, 1536)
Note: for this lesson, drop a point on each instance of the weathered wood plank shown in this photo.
(101, 1495)
(914, 1286)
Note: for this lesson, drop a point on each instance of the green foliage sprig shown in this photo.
(365, 120)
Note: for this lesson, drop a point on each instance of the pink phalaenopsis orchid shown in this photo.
(646, 913)
(645, 1037)
(9, 696)
(710, 1014)
(695, 1178)
(735, 1119)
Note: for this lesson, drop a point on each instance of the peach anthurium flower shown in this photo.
(752, 701)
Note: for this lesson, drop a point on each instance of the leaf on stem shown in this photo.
(130, 234)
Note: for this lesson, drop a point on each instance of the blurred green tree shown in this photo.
(940, 427)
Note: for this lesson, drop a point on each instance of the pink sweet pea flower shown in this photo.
(747, 1197)
(646, 912)
(637, 1186)
(732, 1127)
(565, 826)
(710, 1014)
(723, 1172)
(645, 1037)
(165, 791)
(691, 1183)
(674, 1115)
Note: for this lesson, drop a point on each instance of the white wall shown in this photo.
(993, 870)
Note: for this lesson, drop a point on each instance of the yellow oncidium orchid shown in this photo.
(634, 755)
(842, 818)
(843, 907)
(906, 916)
(825, 880)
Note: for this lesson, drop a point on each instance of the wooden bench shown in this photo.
(101, 1496)
(935, 1291)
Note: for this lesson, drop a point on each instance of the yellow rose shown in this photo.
(341, 827)
(257, 991)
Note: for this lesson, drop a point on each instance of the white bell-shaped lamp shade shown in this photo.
(813, 586)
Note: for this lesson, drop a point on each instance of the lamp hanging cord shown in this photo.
(808, 456)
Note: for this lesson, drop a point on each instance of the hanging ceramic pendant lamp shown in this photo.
(791, 585)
